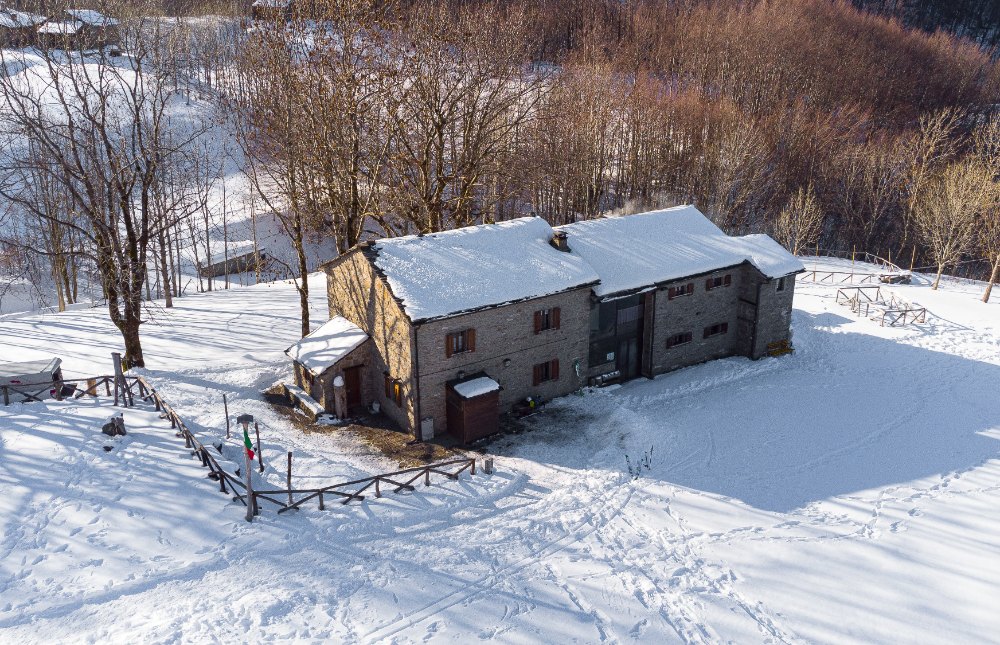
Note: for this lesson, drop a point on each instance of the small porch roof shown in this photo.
(326, 346)
(474, 387)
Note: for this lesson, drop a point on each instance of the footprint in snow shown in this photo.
(898, 527)
(916, 512)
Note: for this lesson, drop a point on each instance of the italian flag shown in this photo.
(247, 444)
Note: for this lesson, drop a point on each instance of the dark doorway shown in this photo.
(628, 357)
(352, 389)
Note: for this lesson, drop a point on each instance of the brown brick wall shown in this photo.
(506, 335)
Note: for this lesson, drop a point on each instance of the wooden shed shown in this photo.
(473, 407)
(30, 380)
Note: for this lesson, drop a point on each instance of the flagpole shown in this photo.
(246, 457)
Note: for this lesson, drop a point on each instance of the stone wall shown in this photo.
(355, 292)
(507, 349)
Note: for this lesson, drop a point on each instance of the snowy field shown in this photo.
(849, 492)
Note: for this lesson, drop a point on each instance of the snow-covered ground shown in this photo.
(846, 493)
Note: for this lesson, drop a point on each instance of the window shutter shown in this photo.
(729, 280)
(708, 284)
(554, 369)
(671, 293)
(388, 385)
(470, 340)
(555, 317)
(538, 322)
(725, 328)
(448, 343)
(537, 376)
(690, 287)
(706, 332)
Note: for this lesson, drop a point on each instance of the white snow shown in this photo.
(476, 387)
(465, 269)
(631, 252)
(13, 19)
(60, 28)
(847, 493)
(324, 347)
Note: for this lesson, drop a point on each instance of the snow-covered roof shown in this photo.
(470, 268)
(635, 251)
(45, 366)
(65, 28)
(321, 349)
(12, 19)
(92, 18)
(476, 387)
(273, 4)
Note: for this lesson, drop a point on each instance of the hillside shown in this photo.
(846, 492)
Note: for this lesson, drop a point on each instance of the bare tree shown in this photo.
(98, 130)
(987, 149)
(800, 222)
(952, 206)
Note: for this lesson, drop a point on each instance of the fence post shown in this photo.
(6, 396)
(321, 507)
(260, 456)
(225, 406)
(250, 502)
(427, 477)
(289, 478)
(222, 482)
(378, 491)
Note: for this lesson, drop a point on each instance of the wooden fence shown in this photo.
(35, 391)
(285, 499)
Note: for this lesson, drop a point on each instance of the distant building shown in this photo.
(271, 10)
(79, 29)
(464, 325)
(244, 263)
(18, 28)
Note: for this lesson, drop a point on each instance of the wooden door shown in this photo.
(352, 389)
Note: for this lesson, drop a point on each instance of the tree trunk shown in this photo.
(937, 280)
(993, 278)
(164, 269)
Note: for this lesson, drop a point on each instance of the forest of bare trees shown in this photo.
(825, 125)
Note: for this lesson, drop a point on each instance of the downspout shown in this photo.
(756, 323)
(418, 431)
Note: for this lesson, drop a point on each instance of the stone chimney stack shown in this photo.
(560, 241)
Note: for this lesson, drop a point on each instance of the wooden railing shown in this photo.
(349, 491)
(353, 490)
(904, 315)
(35, 391)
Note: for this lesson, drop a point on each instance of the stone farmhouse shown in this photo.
(447, 331)
(17, 28)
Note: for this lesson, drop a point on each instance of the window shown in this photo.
(546, 319)
(679, 339)
(393, 390)
(547, 371)
(719, 281)
(781, 285)
(460, 341)
(717, 329)
(683, 290)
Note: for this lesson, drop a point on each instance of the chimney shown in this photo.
(560, 242)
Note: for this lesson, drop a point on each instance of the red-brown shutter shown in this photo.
(470, 340)
(671, 293)
(708, 284)
(725, 328)
(538, 322)
(555, 317)
(690, 288)
(448, 343)
(554, 369)
(537, 375)
(729, 280)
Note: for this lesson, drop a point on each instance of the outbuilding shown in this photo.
(329, 364)
(31, 380)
